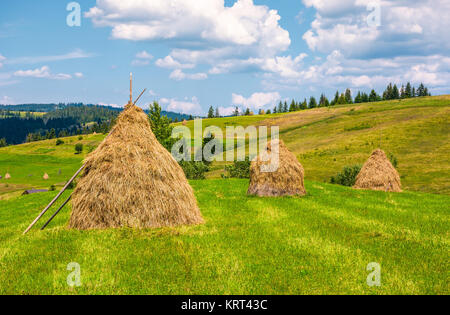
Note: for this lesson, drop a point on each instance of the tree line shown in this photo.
(392, 92)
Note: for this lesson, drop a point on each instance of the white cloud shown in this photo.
(43, 72)
(2, 58)
(144, 55)
(339, 72)
(76, 54)
(202, 31)
(179, 75)
(6, 100)
(191, 107)
(142, 59)
(227, 111)
(407, 28)
(257, 100)
(78, 74)
(169, 62)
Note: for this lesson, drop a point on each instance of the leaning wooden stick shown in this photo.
(55, 214)
(139, 97)
(54, 199)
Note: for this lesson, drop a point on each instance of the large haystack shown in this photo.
(285, 180)
(130, 180)
(378, 174)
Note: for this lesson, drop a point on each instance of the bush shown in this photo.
(194, 170)
(80, 138)
(393, 160)
(78, 148)
(347, 177)
(52, 188)
(72, 185)
(59, 142)
(239, 169)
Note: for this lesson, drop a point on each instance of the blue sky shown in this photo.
(191, 54)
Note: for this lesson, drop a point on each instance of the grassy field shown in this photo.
(415, 131)
(318, 244)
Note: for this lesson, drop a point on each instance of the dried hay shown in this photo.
(7, 176)
(286, 180)
(131, 180)
(378, 174)
(45, 177)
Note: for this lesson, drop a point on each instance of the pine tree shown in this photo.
(292, 107)
(217, 112)
(285, 107)
(312, 102)
(395, 92)
(336, 98)
(408, 91)
(211, 112)
(275, 110)
(236, 112)
(358, 98)
(247, 112)
(348, 96)
(280, 107)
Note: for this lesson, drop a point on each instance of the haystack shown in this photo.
(285, 180)
(45, 177)
(378, 174)
(130, 180)
(7, 176)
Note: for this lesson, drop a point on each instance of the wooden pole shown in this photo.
(54, 199)
(139, 97)
(131, 87)
(54, 214)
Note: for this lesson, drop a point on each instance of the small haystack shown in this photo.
(7, 176)
(378, 174)
(45, 177)
(286, 180)
(184, 122)
(130, 180)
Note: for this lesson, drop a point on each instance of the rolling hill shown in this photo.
(317, 244)
(416, 131)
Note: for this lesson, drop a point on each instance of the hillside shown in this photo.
(416, 131)
(317, 244)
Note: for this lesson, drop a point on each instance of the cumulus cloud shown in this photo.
(407, 27)
(142, 59)
(43, 72)
(78, 74)
(169, 62)
(257, 101)
(337, 71)
(179, 75)
(186, 106)
(202, 31)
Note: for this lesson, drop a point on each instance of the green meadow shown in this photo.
(317, 244)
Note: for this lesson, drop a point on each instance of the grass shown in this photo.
(319, 244)
(416, 131)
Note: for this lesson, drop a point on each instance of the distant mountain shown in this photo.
(47, 108)
(17, 124)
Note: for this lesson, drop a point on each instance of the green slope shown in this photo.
(318, 244)
(416, 131)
